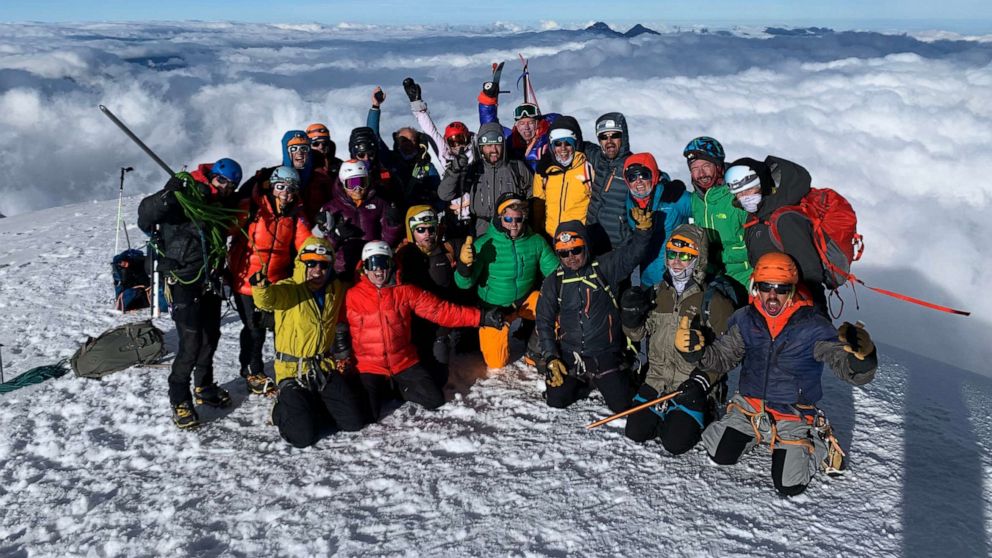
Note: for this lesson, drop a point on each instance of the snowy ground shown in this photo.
(96, 468)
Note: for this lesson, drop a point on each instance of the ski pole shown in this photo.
(632, 410)
(120, 203)
(1, 364)
(127, 131)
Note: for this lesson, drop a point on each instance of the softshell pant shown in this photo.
(300, 412)
(252, 335)
(495, 343)
(604, 372)
(414, 384)
(793, 465)
(197, 317)
(674, 425)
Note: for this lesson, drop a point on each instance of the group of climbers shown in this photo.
(370, 269)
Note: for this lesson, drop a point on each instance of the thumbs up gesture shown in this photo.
(467, 254)
(689, 342)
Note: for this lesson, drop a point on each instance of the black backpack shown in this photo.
(119, 348)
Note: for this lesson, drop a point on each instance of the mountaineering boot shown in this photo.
(260, 384)
(184, 415)
(212, 395)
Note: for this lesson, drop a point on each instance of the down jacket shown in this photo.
(723, 221)
(370, 217)
(380, 322)
(565, 191)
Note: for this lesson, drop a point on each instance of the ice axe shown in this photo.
(632, 410)
(127, 131)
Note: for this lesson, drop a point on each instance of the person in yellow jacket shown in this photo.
(563, 182)
(312, 348)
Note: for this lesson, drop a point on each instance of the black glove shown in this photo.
(412, 89)
(259, 279)
(341, 349)
(458, 163)
(492, 318)
(635, 304)
(346, 230)
(394, 215)
(491, 89)
(327, 221)
(174, 185)
(694, 390)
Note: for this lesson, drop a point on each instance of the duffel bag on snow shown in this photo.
(119, 348)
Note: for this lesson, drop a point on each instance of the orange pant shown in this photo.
(495, 343)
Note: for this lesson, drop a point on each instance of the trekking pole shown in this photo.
(120, 203)
(632, 410)
(1, 364)
(127, 131)
(156, 308)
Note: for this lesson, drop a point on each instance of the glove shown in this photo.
(856, 339)
(412, 89)
(689, 342)
(327, 221)
(378, 97)
(458, 164)
(694, 390)
(259, 279)
(635, 304)
(491, 89)
(467, 255)
(555, 372)
(493, 318)
(641, 217)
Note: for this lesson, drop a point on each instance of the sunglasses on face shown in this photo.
(425, 230)
(573, 252)
(320, 143)
(284, 186)
(638, 172)
(318, 264)
(298, 149)
(561, 143)
(223, 182)
(609, 135)
(681, 256)
(779, 289)
(507, 219)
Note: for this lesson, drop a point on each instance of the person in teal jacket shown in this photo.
(714, 210)
(651, 188)
(506, 266)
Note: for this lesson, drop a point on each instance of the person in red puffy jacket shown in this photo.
(275, 229)
(379, 310)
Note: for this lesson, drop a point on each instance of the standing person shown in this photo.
(653, 190)
(684, 286)
(781, 343)
(315, 187)
(578, 318)
(364, 145)
(379, 312)
(324, 150)
(563, 182)
(192, 255)
(528, 139)
(274, 230)
(311, 348)
(505, 265)
(484, 181)
(456, 139)
(607, 206)
(714, 210)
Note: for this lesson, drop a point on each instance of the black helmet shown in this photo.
(362, 140)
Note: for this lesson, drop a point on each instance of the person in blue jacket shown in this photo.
(528, 139)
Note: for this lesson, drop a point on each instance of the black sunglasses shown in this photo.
(573, 252)
(779, 289)
(319, 264)
(422, 230)
(610, 135)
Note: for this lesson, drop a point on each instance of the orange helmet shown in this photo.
(318, 130)
(298, 138)
(777, 268)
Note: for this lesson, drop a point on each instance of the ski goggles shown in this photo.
(636, 172)
(377, 262)
(526, 110)
(457, 140)
(319, 264)
(507, 219)
(286, 186)
(356, 183)
(566, 252)
(316, 252)
(491, 138)
(425, 229)
(298, 149)
(609, 136)
(779, 289)
(681, 256)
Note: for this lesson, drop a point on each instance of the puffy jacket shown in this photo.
(666, 367)
(518, 149)
(579, 303)
(723, 221)
(370, 217)
(181, 240)
(269, 240)
(672, 205)
(315, 187)
(785, 369)
(303, 329)
(485, 183)
(609, 189)
(566, 191)
(380, 323)
(506, 270)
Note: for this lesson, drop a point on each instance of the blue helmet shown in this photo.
(705, 148)
(229, 169)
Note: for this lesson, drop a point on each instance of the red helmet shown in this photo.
(454, 129)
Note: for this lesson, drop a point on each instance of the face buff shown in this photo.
(750, 203)
(681, 279)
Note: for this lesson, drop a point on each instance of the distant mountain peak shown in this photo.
(602, 28)
(640, 30)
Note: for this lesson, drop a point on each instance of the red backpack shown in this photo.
(835, 233)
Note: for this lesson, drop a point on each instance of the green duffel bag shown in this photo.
(119, 348)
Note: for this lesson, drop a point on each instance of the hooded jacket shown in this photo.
(609, 189)
(485, 183)
(515, 146)
(433, 271)
(315, 187)
(303, 328)
(670, 204)
(370, 216)
(716, 211)
(583, 303)
(565, 190)
(380, 320)
(506, 270)
(416, 179)
(269, 240)
(666, 367)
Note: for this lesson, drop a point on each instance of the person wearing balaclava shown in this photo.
(653, 313)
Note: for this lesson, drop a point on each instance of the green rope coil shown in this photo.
(212, 219)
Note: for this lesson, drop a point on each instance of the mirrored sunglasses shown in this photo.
(507, 219)
(682, 256)
(298, 148)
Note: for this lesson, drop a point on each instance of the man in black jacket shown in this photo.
(587, 345)
(192, 257)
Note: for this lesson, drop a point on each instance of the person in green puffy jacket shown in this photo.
(505, 265)
(714, 210)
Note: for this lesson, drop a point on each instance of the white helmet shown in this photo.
(353, 169)
(376, 254)
(740, 178)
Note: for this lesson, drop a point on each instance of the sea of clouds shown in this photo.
(901, 124)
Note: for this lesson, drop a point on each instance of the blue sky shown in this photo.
(967, 15)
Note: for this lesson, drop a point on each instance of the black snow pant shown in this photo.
(301, 413)
(253, 331)
(677, 430)
(197, 317)
(414, 384)
(604, 372)
(434, 345)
